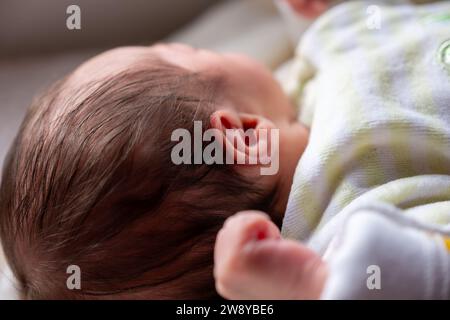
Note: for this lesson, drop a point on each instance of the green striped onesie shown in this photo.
(377, 100)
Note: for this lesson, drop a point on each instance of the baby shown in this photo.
(90, 181)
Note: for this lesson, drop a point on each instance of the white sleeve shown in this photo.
(376, 256)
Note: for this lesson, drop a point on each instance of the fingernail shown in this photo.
(261, 235)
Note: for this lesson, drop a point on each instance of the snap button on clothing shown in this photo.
(444, 53)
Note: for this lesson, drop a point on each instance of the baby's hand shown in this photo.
(309, 8)
(251, 261)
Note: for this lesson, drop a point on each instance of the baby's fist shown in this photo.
(233, 258)
(251, 261)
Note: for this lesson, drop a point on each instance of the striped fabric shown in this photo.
(378, 104)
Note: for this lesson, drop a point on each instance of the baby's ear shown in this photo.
(245, 137)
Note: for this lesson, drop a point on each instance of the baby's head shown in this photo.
(90, 180)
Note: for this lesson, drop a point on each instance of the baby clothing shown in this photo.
(372, 81)
(377, 252)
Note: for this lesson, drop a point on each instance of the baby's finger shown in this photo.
(239, 230)
(248, 226)
(295, 270)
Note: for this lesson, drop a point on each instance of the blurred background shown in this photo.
(36, 47)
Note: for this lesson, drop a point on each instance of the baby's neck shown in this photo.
(285, 176)
(283, 190)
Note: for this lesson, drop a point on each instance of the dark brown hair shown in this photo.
(89, 181)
